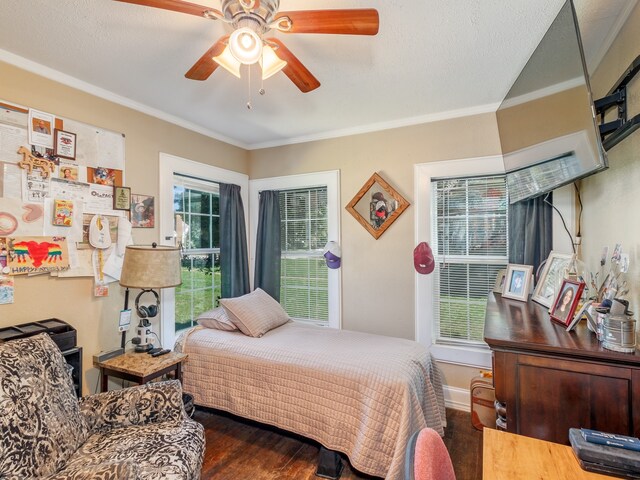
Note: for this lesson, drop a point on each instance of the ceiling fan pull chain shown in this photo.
(249, 105)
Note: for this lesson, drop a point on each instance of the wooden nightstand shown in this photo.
(140, 367)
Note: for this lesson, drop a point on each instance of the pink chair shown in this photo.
(427, 457)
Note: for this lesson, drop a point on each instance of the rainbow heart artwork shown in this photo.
(37, 254)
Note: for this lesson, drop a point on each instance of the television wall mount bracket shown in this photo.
(615, 131)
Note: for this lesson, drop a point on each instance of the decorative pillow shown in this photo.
(255, 313)
(216, 318)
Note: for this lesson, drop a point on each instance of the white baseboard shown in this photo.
(457, 398)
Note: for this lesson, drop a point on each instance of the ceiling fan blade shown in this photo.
(205, 66)
(363, 21)
(174, 5)
(295, 70)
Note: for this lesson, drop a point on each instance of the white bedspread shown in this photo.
(356, 393)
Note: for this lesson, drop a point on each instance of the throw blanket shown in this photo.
(360, 394)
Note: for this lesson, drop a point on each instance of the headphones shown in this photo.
(147, 311)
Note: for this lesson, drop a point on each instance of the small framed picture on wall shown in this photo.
(121, 198)
(142, 211)
(64, 144)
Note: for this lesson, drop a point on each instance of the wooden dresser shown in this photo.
(549, 380)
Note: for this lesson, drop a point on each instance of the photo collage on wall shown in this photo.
(56, 176)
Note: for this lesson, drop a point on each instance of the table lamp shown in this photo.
(150, 268)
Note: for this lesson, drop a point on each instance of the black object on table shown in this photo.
(604, 459)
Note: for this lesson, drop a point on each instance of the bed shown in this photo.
(360, 394)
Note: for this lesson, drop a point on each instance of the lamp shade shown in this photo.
(147, 266)
(270, 62)
(228, 61)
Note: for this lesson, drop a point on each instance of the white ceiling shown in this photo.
(432, 59)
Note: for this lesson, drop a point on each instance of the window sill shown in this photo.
(467, 356)
(316, 323)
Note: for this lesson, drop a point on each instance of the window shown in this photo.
(469, 241)
(304, 287)
(467, 251)
(190, 189)
(452, 205)
(310, 213)
(197, 202)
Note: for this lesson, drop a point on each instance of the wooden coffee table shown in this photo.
(140, 367)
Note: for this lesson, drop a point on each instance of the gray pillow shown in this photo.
(255, 313)
(216, 318)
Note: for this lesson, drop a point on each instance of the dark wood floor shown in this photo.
(238, 449)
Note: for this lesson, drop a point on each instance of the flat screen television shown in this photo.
(547, 121)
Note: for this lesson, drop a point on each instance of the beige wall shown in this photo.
(611, 200)
(72, 300)
(378, 275)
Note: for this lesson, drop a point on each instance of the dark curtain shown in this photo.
(234, 261)
(530, 231)
(267, 272)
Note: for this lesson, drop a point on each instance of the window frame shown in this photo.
(475, 356)
(563, 199)
(167, 166)
(329, 179)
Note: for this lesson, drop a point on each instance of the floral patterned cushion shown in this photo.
(160, 451)
(139, 433)
(40, 418)
(151, 403)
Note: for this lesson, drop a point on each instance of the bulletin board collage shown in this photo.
(64, 208)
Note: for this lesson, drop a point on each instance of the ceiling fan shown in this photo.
(251, 21)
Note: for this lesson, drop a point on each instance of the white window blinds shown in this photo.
(470, 247)
(304, 290)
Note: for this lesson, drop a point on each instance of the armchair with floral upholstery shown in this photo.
(139, 433)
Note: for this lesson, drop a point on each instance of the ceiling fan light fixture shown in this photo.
(228, 62)
(246, 46)
(270, 62)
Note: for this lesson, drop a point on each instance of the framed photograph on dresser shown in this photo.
(566, 301)
(498, 287)
(550, 278)
(517, 283)
(578, 316)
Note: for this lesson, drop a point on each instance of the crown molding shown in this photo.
(613, 34)
(381, 126)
